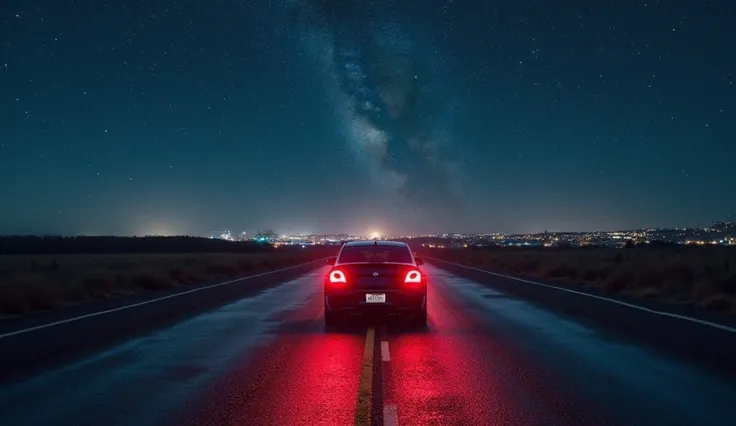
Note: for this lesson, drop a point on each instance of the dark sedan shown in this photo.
(375, 277)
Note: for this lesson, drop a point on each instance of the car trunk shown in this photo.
(375, 276)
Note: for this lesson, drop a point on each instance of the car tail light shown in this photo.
(337, 277)
(413, 277)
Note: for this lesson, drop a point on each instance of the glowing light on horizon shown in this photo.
(157, 230)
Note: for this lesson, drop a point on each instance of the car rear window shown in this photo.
(396, 254)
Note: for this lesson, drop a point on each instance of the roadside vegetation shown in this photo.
(36, 282)
(700, 276)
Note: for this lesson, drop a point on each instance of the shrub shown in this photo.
(151, 281)
(222, 269)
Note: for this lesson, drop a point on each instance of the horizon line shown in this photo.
(424, 234)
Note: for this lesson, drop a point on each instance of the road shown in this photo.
(485, 358)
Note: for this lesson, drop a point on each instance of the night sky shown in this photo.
(190, 116)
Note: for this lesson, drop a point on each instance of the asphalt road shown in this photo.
(485, 358)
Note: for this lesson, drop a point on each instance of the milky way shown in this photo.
(396, 118)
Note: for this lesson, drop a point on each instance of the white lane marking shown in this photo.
(385, 354)
(135, 305)
(618, 302)
(390, 415)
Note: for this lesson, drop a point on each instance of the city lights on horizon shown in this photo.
(694, 236)
(720, 233)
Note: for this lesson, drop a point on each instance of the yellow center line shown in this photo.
(365, 388)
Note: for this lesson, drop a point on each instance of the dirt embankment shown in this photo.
(41, 282)
(701, 276)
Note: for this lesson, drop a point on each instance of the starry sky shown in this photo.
(402, 117)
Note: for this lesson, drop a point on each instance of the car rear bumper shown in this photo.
(396, 302)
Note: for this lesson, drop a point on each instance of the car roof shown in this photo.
(376, 243)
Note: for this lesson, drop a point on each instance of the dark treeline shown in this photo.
(106, 244)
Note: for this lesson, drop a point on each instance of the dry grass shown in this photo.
(702, 276)
(41, 282)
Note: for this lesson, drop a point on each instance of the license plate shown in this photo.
(375, 298)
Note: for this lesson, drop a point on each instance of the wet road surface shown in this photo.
(485, 358)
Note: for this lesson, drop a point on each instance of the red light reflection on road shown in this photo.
(302, 378)
(439, 377)
(319, 385)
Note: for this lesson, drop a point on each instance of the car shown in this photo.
(375, 277)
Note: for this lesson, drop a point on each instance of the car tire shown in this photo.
(331, 318)
(420, 318)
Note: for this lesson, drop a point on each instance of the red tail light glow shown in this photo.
(413, 277)
(338, 276)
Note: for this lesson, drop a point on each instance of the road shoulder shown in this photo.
(39, 341)
(699, 337)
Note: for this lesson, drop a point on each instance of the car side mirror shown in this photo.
(331, 260)
(419, 261)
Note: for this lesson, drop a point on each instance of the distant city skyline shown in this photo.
(375, 233)
(720, 233)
